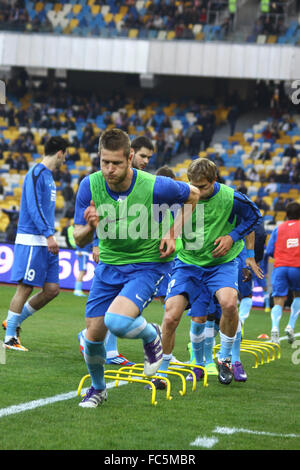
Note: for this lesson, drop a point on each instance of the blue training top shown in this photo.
(37, 211)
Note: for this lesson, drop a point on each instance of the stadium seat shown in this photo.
(171, 35)
(133, 33)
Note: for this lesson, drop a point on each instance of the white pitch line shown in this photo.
(228, 431)
(31, 405)
(207, 442)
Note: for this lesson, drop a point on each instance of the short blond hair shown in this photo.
(202, 168)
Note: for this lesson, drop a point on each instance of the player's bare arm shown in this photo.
(84, 234)
(250, 260)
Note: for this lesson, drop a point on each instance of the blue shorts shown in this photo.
(82, 261)
(137, 282)
(34, 265)
(163, 287)
(188, 279)
(245, 287)
(205, 305)
(284, 279)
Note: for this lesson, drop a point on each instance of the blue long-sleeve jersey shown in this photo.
(37, 211)
(247, 215)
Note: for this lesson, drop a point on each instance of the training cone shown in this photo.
(263, 336)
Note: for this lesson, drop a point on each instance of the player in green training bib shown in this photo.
(211, 239)
(131, 212)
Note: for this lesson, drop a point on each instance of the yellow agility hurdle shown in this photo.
(190, 367)
(157, 376)
(245, 349)
(253, 354)
(114, 374)
(132, 373)
(267, 344)
(261, 347)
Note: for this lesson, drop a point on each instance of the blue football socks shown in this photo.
(209, 341)
(12, 321)
(197, 336)
(245, 308)
(236, 347)
(27, 311)
(295, 310)
(111, 345)
(226, 346)
(276, 314)
(94, 356)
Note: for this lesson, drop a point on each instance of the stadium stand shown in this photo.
(270, 149)
(176, 128)
(203, 20)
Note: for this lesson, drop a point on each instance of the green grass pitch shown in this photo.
(261, 414)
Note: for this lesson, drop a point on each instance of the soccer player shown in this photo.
(143, 150)
(284, 247)
(210, 246)
(36, 250)
(135, 253)
(205, 309)
(82, 258)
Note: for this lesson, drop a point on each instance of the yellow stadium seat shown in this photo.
(199, 36)
(118, 17)
(133, 33)
(108, 17)
(272, 39)
(95, 10)
(39, 6)
(57, 7)
(123, 9)
(73, 23)
(280, 215)
(171, 35)
(60, 202)
(77, 9)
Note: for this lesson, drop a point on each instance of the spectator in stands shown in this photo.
(160, 149)
(254, 154)
(295, 176)
(22, 163)
(279, 204)
(265, 155)
(11, 162)
(290, 151)
(3, 146)
(239, 174)
(11, 230)
(271, 186)
(203, 16)
(283, 177)
(253, 175)
(218, 160)
(68, 195)
(261, 204)
(232, 118)
(195, 140)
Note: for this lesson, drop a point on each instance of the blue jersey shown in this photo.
(246, 213)
(37, 211)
